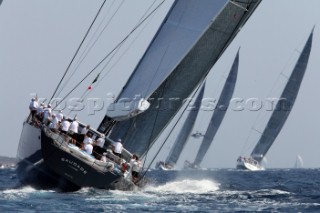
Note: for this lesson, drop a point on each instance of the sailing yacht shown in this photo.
(188, 43)
(299, 162)
(217, 116)
(183, 135)
(215, 122)
(280, 113)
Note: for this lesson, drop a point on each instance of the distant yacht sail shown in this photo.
(218, 113)
(299, 162)
(183, 135)
(280, 114)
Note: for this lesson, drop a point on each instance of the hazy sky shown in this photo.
(39, 37)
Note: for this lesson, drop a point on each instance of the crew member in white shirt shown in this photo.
(98, 146)
(54, 124)
(117, 150)
(73, 130)
(33, 107)
(135, 165)
(87, 143)
(83, 133)
(65, 124)
(59, 115)
(47, 114)
(39, 113)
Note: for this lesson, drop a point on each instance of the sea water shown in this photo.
(217, 190)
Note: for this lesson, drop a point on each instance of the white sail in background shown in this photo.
(185, 131)
(299, 162)
(284, 105)
(219, 112)
(282, 109)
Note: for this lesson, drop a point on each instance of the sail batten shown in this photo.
(140, 132)
(218, 113)
(284, 105)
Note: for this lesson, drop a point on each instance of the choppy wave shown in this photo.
(186, 186)
(179, 191)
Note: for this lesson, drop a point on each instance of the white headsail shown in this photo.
(188, 45)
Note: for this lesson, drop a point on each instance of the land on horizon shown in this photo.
(7, 160)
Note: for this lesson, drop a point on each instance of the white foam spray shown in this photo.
(186, 186)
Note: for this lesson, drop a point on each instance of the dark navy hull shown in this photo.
(75, 170)
(42, 177)
(31, 169)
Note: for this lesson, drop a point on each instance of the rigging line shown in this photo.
(104, 28)
(149, 144)
(162, 58)
(95, 18)
(81, 99)
(87, 49)
(91, 44)
(87, 92)
(116, 62)
(126, 37)
(176, 122)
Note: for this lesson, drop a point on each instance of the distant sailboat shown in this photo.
(218, 115)
(183, 135)
(280, 114)
(197, 134)
(299, 162)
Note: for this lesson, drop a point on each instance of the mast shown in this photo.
(185, 130)
(223, 20)
(284, 105)
(219, 112)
